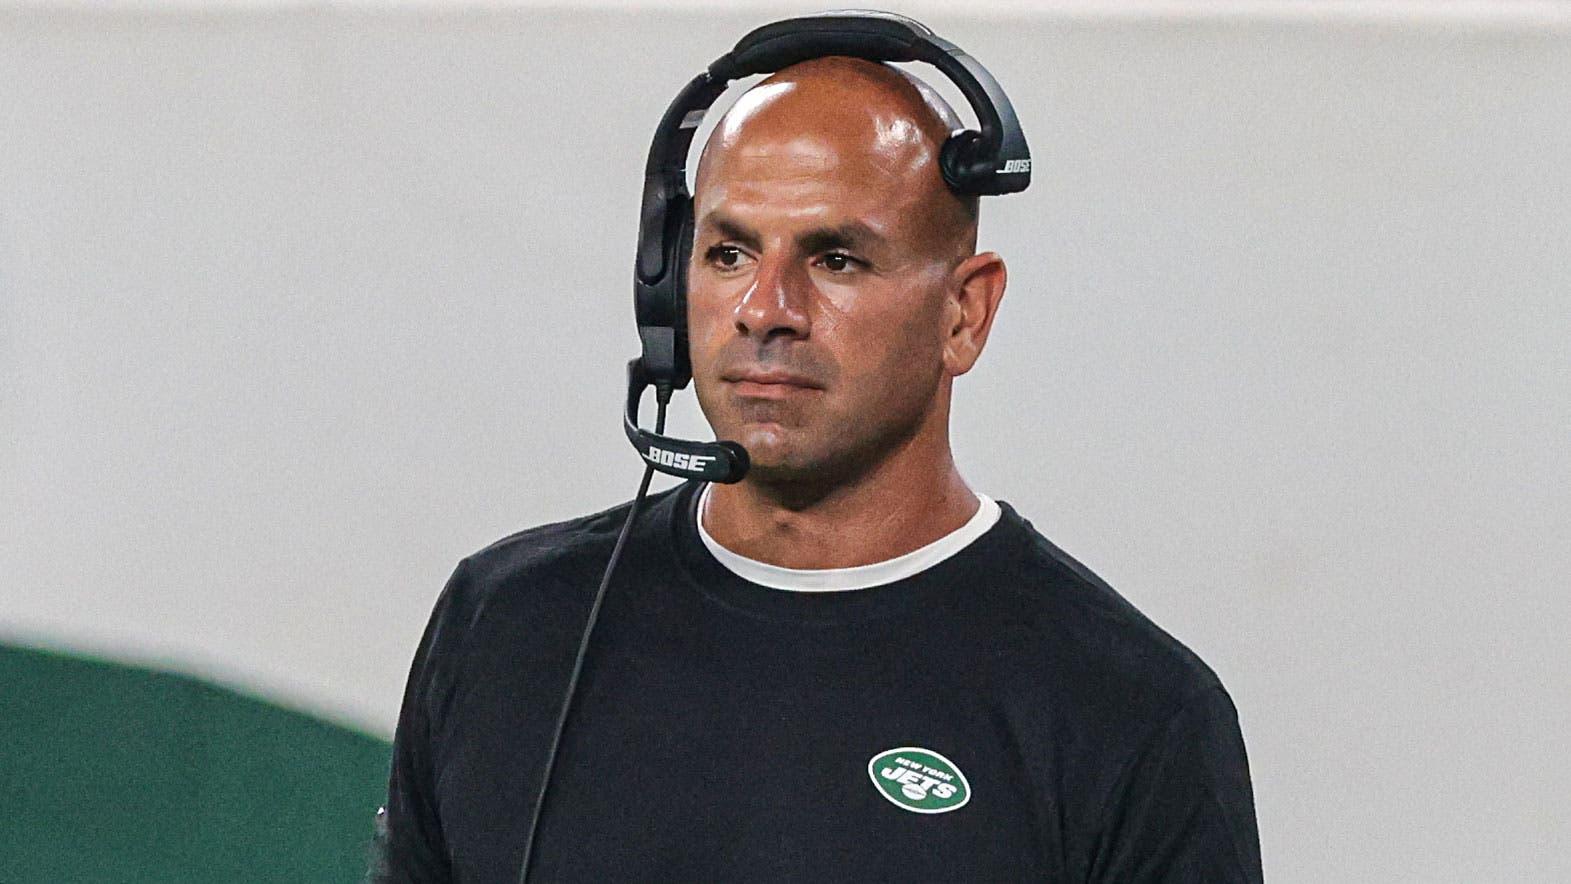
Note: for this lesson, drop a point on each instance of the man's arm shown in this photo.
(409, 845)
(1184, 810)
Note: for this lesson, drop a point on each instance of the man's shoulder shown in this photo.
(554, 561)
(1094, 635)
(543, 548)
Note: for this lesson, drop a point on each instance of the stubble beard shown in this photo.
(802, 452)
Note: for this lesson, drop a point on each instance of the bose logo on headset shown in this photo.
(1013, 166)
(677, 460)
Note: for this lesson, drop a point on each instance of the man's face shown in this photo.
(817, 287)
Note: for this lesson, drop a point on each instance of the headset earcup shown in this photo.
(679, 262)
(956, 159)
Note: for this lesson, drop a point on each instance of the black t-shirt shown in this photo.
(1003, 715)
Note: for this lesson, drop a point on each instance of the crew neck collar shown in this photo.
(852, 578)
(940, 587)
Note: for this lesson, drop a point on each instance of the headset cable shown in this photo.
(662, 397)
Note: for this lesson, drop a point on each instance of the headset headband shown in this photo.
(993, 161)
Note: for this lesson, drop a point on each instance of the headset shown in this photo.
(987, 161)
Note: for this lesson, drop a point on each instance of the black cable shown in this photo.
(662, 397)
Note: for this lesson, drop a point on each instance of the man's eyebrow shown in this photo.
(730, 228)
(851, 235)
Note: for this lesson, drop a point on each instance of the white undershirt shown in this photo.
(856, 577)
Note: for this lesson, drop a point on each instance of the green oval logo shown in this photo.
(919, 780)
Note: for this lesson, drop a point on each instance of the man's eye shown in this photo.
(838, 262)
(725, 257)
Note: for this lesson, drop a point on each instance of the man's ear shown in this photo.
(976, 288)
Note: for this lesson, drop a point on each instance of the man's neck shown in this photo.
(885, 512)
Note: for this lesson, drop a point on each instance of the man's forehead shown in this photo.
(764, 192)
(798, 187)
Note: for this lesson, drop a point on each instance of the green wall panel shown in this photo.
(119, 773)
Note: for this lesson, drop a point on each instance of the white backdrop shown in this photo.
(300, 303)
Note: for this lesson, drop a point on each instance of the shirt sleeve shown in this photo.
(1184, 809)
(409, 845)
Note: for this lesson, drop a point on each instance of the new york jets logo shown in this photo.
(919, 780)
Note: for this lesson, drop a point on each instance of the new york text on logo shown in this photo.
(919, 780)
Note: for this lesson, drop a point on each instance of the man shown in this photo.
(849, 666)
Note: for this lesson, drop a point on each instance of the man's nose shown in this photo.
(775, 304)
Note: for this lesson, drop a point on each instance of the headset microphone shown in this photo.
(992, 159)
(711, 461)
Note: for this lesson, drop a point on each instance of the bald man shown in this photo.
(850, 666)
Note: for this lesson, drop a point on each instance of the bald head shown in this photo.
(838, 115)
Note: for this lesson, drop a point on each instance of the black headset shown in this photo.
(992, 161)
(974, 163)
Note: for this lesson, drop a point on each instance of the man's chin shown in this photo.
(767, 445)
(773, 453)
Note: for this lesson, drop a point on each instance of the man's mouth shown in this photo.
(772, 383)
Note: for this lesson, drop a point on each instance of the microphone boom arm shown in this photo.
(725, 462)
